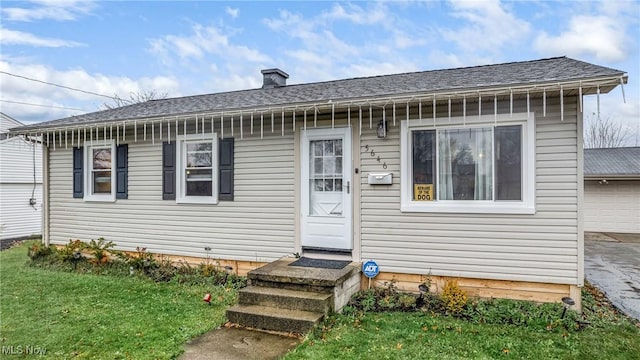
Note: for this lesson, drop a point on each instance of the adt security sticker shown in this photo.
(370, 269)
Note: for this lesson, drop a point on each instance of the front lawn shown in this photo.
(75, 315)
(497, 329)
(421, 336)
(78, 314)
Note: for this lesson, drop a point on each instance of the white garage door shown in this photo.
(612, 207)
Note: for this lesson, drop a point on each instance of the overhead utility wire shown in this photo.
(47, 106)
(60, 86)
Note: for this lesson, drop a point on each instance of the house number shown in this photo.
(369, 150)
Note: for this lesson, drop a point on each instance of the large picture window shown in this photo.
(197, 169)
(100, 172)
(477, 168)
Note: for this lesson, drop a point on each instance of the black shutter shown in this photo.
(168, 171)
(122, 171)
(225, 179)
(78, 161)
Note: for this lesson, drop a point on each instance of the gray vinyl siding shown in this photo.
(257, 226)
(541, 248)
(260, 224)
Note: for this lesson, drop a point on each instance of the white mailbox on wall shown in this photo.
(380, 178)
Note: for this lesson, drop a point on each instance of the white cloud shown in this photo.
(602, 37)
(370, 68)
(294, 25)
(318, 44)
(488, 26)
(233, 12)
(375, 14)
(58, 10)
(402, 40)
(22, 90)
(212, 54)
(12, 37)
(208, 40)
(443, 59)
(306, 56)
(371, 40)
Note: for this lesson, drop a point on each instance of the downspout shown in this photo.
(576, 295)
(45, 195)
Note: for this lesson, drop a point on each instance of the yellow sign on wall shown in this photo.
(423, 192)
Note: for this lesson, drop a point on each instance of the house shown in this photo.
(469, 173)
(20, 184)
(612, 190)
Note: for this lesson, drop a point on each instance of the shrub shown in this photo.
(67, 252)
(431, 302)
(39, 251)
(383, 299)
(455, 299)
(100, 261)
(161, 271)
(512, 312)
(208, 269)
(406, 301)
(100, 250)
(140, 260)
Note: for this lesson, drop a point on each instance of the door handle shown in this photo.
(348, 186)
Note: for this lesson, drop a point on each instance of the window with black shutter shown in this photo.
(198, 169)
(100, 172)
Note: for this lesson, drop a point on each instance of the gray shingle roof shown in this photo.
(477, 77)
(612, 162)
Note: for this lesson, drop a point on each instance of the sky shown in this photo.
(96, 50)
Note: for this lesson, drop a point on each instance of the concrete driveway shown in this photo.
(612, 263)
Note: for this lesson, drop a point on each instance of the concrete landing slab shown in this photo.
(280, 271)
(238, 344)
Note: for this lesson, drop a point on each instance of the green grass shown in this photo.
(489, 329)
(86, 316)
(90, 316)
(422, 336)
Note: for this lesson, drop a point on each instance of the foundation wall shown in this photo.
(481, 288)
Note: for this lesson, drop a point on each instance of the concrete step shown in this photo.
(279, 274)
(294, 286)
(270, 318)
(287, 299)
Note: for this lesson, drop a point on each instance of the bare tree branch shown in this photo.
(134, 98)
(603, 133)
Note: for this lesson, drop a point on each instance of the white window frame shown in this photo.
(525, 206)
(88, 172)
(182, 140)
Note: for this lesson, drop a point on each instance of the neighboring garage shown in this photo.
(612, 190)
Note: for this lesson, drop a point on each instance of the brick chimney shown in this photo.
(273, 78)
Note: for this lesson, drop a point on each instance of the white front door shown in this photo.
(326, 188)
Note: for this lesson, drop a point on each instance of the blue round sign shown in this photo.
(370, 269)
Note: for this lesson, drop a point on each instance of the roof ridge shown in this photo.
(372, 77)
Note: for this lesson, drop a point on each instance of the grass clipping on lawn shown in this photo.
(101, 317)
